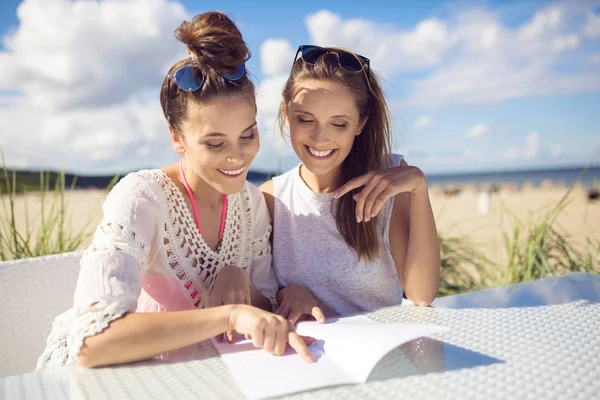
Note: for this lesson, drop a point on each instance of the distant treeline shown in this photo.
(31, 181)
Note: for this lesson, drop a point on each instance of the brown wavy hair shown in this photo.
(216, 47)
(371, 149)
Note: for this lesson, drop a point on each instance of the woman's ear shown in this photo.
(284, 111)
(361, 126)
(176, 141)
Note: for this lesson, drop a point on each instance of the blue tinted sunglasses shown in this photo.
(347, 61)
(189, 78)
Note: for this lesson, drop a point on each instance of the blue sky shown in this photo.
(473, 86)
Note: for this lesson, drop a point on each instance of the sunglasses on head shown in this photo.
(347, 61)
(189, 78)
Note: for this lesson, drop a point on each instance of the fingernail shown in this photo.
(373, 215)
(322, 320)
(367, 219)
(358, 219)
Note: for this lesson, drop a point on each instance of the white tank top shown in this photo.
(308, 250)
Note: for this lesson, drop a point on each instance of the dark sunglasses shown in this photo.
(347, 61)
(189, 78)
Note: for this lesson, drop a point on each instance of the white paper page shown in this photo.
(346, 351)
(358, 343)
(260, 374)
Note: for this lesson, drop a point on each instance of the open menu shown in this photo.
(345, 352)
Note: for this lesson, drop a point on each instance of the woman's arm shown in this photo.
(139, 336)
(413, 235)
(415, 245)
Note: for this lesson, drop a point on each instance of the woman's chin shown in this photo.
(318, 168)
(230, 186)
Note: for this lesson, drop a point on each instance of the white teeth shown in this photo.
(233, 173)
(317, 153)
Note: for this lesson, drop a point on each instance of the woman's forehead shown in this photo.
(225, 114)
(321, 96)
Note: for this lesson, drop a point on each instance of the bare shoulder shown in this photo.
(268, 190)
(268, 187)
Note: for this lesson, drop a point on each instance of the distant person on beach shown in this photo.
(353, 228)
(183, 251)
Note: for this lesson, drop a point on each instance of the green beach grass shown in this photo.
(47, 229)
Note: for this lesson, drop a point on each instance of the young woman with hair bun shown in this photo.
(183, 251)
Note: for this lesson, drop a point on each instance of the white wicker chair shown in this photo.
(32, 293)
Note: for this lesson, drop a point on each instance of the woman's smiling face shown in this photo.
(220, 140)
(323, 120)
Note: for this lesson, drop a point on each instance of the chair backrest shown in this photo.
(32, 293)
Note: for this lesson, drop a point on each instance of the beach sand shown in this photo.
(456, 215)
(460, 215)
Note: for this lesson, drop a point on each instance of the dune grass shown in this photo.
(535, 247)
(47, 229)
(539, 247)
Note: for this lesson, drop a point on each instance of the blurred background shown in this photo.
(497, 101)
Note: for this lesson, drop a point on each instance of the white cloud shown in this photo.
(567, 42)
(595, 59)
(523, 62)
(273, 148)
(87, 94)
(89, 140)
(92, 53)
(423, 121)
(557, 150)
(87, 76)
(478, 131)
(592, 26)
(512, 153)
(276, 56)
(545, 21)
(389, 49)
(532, 146)
(472, 56)
(529, 151)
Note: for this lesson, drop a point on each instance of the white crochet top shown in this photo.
(148, 256)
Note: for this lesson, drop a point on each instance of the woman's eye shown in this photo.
(249, 137)
(340, 125)
(304, 121)
(215, 146)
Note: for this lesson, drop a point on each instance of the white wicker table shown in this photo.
(529, 341)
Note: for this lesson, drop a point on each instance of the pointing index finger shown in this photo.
(298, 344)
(350, 185)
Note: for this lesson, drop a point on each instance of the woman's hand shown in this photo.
(379, 186)
(295, 301)
(268, 331)
(232, 286)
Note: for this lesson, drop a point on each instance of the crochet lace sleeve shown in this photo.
(261, 271)
(109, 281)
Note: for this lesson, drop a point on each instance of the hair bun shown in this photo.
(214, 40)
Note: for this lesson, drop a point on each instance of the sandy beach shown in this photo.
(460, 215)
(456, 215)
